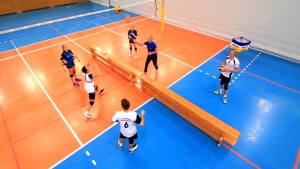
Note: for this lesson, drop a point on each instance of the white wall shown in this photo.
(271, 25)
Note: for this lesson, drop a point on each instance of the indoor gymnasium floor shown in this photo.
(42, 123)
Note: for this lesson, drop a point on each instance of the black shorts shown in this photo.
(131, 139)
(92, 96)
(224, 79)
(131, 41)
(70, 66)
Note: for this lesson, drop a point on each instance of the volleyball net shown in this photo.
(206, 122)
(49, 29)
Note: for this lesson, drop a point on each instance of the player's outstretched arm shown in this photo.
(142, 117)
(139, 43)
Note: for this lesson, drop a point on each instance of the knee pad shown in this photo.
(226, 86)
(74, 72)
(135, 48)
(96, 87)
(91, 103)
(130, 48)
(71, 75)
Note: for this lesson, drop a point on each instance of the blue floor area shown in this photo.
(11, 21)
(41, 33)
(263, 104)
(166, 141)
(267, 116)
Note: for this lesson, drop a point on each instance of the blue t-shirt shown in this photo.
(151, 47)
(68, 56)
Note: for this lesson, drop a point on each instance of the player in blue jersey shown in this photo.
(132, 34)
(67, 59)
(152, 53)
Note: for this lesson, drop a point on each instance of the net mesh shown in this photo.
(45, 30)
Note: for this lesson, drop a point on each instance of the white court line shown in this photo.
(177, 60)
(67, 18)
(73, 39)
(158, 51)
(11, 57)
(198, 66)
(94, 162)
(136, 108)
(48, 96)
(104, 131)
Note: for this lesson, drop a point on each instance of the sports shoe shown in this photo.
(88, 116)
(136, 56)
(100, 91)
(77, 79)
(131, 150)
(76, 84)
(130, 54)
(218, 92)
(224, 100)
(120, 145)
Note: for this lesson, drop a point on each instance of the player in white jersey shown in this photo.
(90, 88)
(232, 65)
(127, 120)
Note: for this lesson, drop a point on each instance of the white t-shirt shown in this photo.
(88, 83)
(127, 122)
(230, 65)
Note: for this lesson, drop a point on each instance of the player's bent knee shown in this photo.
(135, 48)
(226, 86)
(130, 48)
(96, 87)
(91, 103)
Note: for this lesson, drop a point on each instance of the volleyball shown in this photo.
(118, 9)
(222, 68)
(127, 18)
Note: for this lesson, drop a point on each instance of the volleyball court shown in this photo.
(43, 113)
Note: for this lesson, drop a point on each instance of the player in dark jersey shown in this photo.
(67, 59)
(152, 53)
(132, 34)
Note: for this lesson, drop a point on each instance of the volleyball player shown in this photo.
(152, 53)
(67, 59)
(232, 65)
(90, 88)
(132, 34)
(127, 120)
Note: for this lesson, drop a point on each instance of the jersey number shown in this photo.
(126, 125)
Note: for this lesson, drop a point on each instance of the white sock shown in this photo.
(225, 95)
(86, 113)
(220, 90)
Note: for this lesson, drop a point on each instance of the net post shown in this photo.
(163, 17)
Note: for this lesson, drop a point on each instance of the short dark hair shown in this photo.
(84, 69)
(125, 104)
